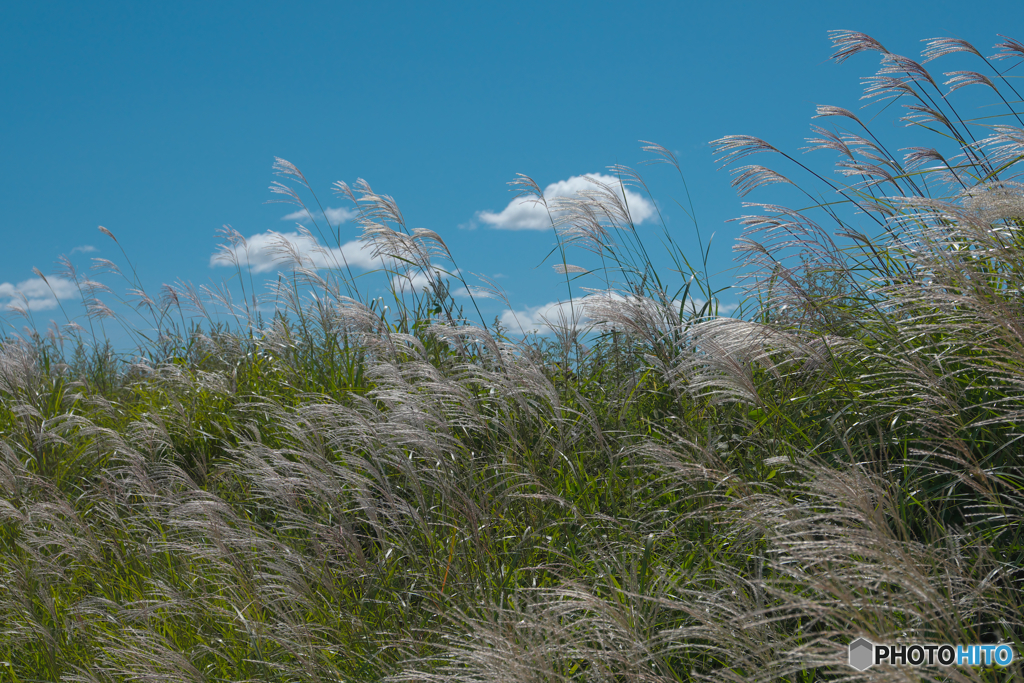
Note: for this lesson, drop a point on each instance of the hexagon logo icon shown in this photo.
(861, 654)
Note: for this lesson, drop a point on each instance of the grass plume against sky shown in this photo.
(161, 123)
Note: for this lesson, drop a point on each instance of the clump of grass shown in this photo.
(658, 493)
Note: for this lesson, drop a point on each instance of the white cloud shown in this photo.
(36, 292)
(526, 213)
(579, 312)
(540, 318)
(409, 281)
(84, 249)
(555, 313)
(270, 250)
(334, 216)
(725, 309)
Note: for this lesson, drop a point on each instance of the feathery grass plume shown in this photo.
(917, 331)
(839, 562)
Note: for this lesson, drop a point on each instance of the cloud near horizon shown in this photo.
(541, 318)
(267, 251)
(417, 281)
(524, 213)
(334, 216)
(537, 318)
(37, 293)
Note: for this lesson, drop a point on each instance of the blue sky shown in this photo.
(161, 121)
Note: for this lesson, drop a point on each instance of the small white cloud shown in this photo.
(36, 292)
(726, 309)
(334, 216)
(478, 292)
(409, 282)
(555, 313)
(541, 318)
(84, 249)
(271, 250)
(525, 213)
(581, 312)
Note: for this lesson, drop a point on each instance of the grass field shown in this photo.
(344, 493)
